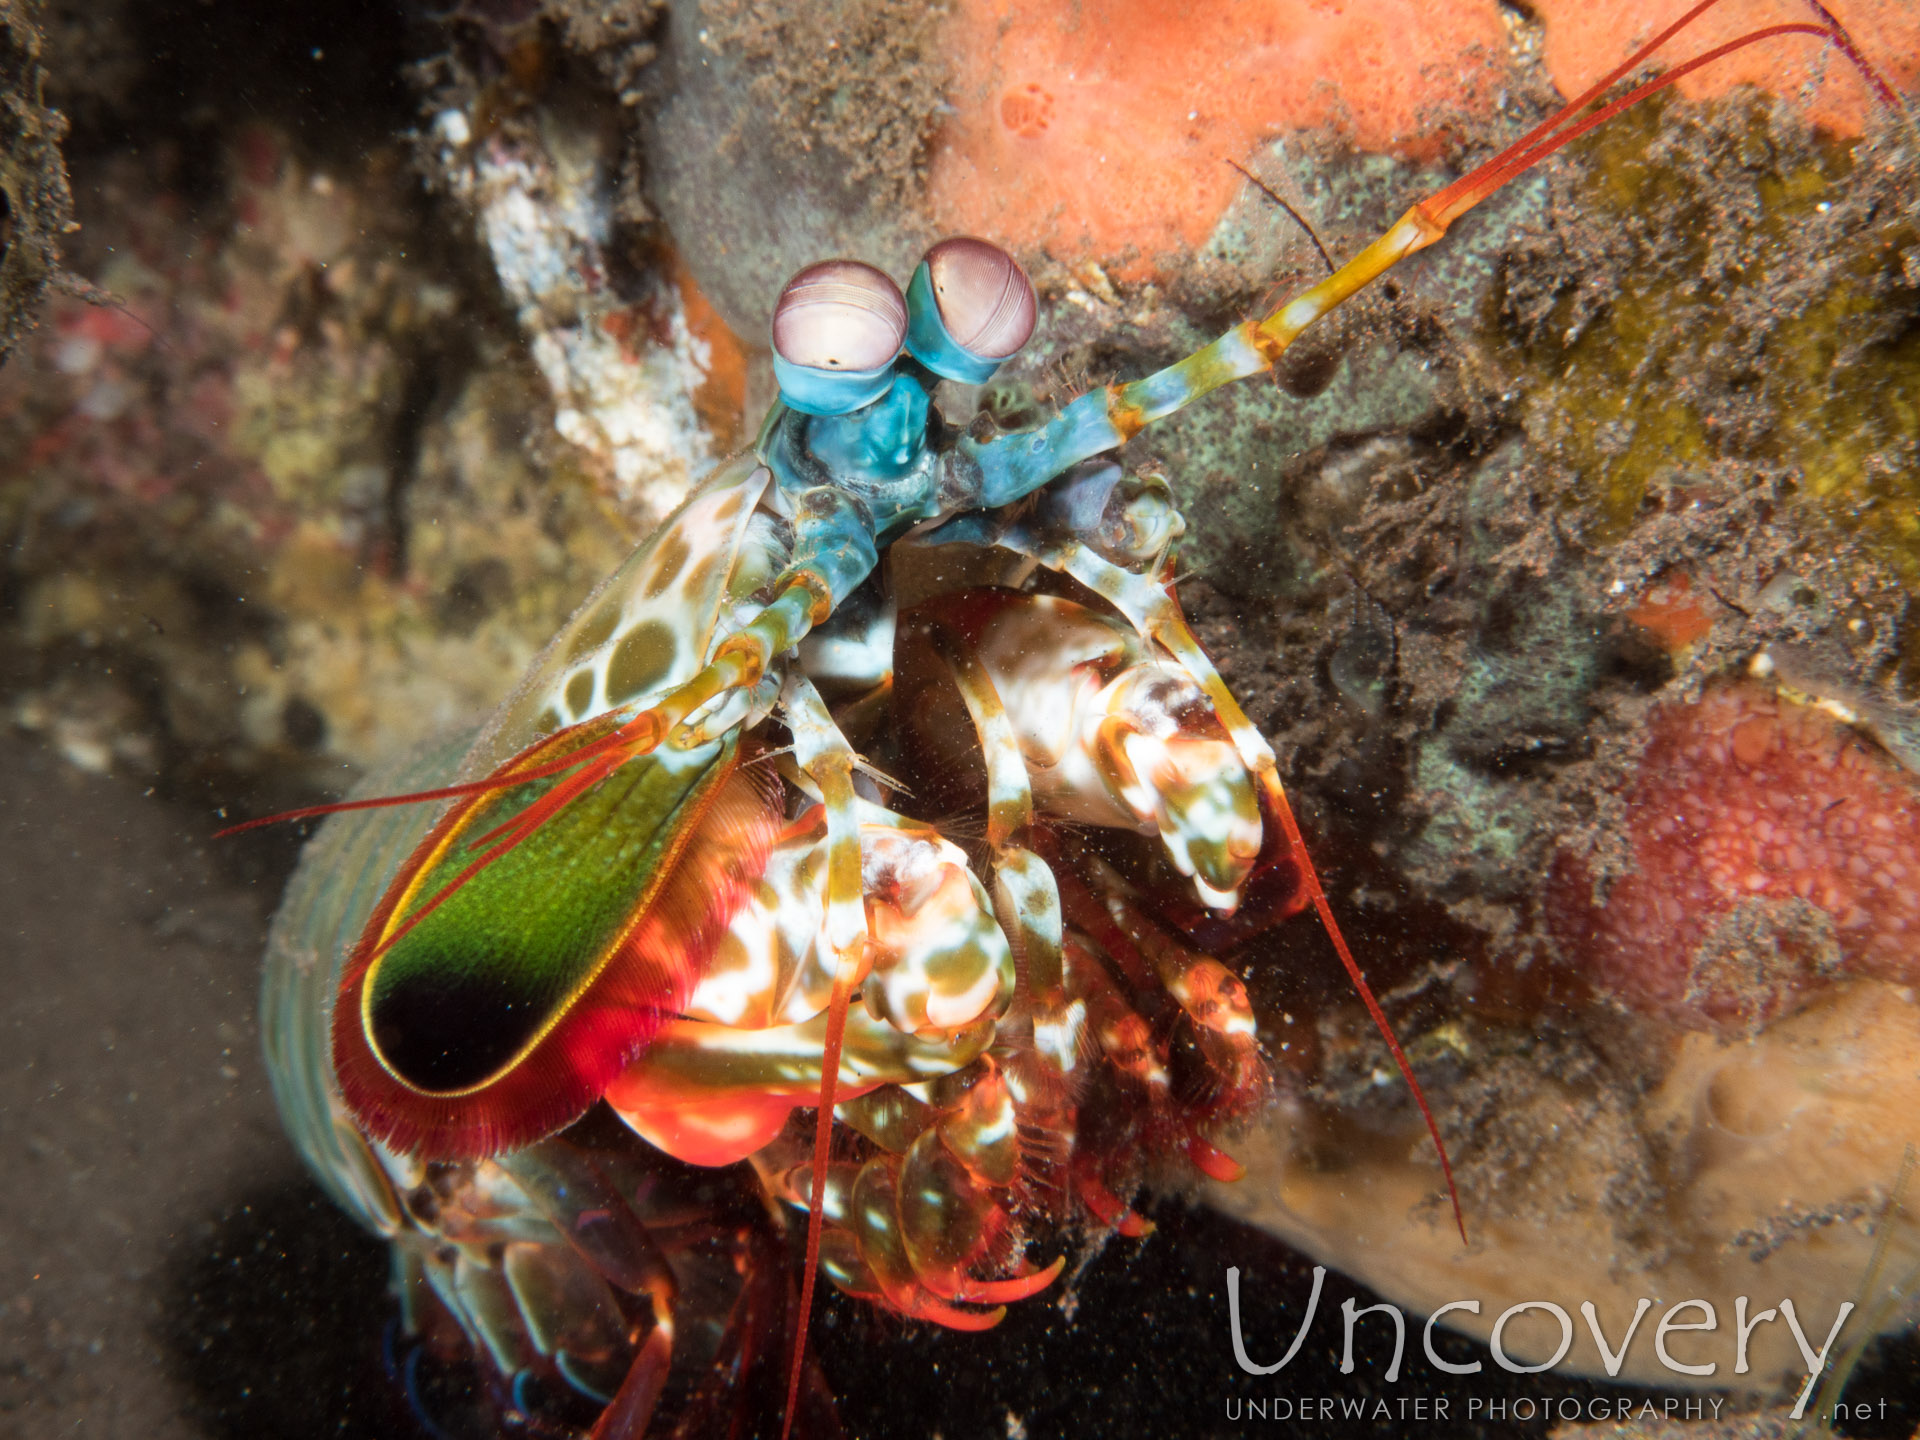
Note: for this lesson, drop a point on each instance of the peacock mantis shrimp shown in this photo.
(528, 1016)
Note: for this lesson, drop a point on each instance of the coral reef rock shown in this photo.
(1774, 1165)
(35, 207)
(284, 506)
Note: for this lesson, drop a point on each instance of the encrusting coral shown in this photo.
(1582, 41)
(1102, 131)
(1772, 849)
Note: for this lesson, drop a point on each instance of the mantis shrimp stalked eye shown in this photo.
(703, 870)
(972, 307)
(837, 328)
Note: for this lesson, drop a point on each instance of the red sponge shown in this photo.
(1772, 847)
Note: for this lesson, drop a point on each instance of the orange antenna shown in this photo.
(503, 779)
(1318, 894)
(1443, 208)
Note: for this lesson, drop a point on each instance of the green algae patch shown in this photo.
(1856, 428)
(1744, 293)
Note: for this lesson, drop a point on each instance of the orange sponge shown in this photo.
(1102, 128)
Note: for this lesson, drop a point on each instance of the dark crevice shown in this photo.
(330, 74)
(429, 379)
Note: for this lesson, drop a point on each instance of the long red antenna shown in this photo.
(1461, 196)
(817, 1197)
(1847, 48)
(1311, 878)
(1449, 204)
(499, 780)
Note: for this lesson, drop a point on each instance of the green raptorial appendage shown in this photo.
(479, 979)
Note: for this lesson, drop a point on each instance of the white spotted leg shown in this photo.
(825, 758)
(1023, 886)
(1147, 601)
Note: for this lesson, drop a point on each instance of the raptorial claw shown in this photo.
(1080, 718)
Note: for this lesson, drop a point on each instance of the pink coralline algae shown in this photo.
(1772, 848)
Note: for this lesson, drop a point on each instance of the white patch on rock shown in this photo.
(543, 213)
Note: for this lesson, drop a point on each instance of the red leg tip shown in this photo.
(1214, 1163)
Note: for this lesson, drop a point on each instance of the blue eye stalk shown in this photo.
(970, 307)
(861, 360)
(883, 439)
(830, 392)
(839, 326)
(837, 331)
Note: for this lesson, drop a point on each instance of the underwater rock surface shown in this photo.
(35, 206)
(275, 509)
(1760, 1167)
